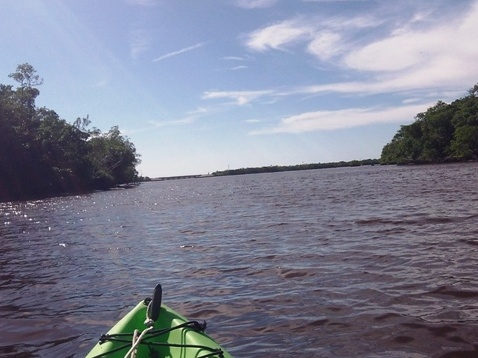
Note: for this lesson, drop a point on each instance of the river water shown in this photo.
(347, 262)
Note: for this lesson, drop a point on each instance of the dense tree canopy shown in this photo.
(42, 154)
(444, 133)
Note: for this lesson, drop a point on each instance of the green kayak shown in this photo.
(152, 329)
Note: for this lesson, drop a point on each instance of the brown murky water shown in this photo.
(357, 262)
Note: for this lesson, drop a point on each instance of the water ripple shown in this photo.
(346, 262)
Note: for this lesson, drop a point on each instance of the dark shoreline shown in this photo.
(287, 168)
(354, 163)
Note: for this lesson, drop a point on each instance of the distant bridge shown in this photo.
(181, 177)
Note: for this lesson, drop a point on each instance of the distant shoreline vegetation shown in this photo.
(42, 155)
(287, 168)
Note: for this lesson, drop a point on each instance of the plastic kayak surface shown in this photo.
(170, 336)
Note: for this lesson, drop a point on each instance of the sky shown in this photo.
(206, 85)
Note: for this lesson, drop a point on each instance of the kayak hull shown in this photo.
(172, 335)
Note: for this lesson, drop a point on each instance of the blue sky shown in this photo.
(206, 85)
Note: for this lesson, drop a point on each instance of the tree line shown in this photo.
(43, 155)
(287, 168)
(444, 133)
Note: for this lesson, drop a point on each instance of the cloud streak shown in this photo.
(277, 36)
(341, 119)
(238, 97)
(189, 118)
(180, 52)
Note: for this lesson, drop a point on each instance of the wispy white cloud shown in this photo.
(332, 35)
(346, 118)
(189, 118)
(173, 122)
(238, 97)
(179, 52)
(277, 36)
(235, 58)
(325, 45)
(255, 4)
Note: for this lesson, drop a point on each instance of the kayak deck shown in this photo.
(171, 336)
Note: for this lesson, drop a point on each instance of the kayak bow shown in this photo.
(164, 333)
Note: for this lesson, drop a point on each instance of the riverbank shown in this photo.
(285, 168)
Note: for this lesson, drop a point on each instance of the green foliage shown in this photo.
(113, 158)
(42, 155)
(444, 133)
(405, 145)
(465, 142)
